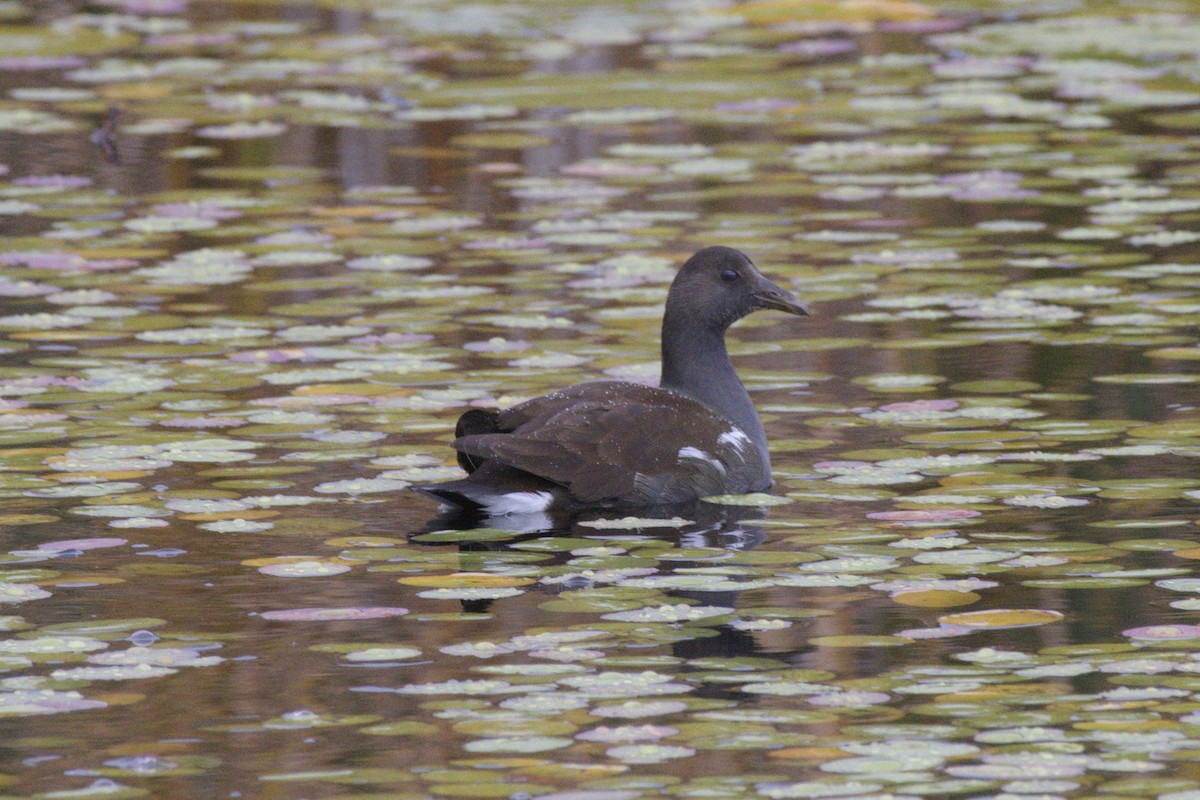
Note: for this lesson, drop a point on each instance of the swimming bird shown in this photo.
(615, 444)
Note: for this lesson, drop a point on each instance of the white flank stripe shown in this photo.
(735, 437)
(700, 455)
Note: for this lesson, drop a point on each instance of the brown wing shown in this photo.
(609, 440)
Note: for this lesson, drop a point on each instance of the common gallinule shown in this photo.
(613, 444)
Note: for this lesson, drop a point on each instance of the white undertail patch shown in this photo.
(515, 502)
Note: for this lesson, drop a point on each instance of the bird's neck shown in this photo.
(695, 363)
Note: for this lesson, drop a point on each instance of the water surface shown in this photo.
(257, 257)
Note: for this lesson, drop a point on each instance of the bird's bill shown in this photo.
(775, 297)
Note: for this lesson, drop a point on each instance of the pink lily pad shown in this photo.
(1164, 633)
(921, 405)
(83, 544)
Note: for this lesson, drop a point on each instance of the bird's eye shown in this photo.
(730, 275)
